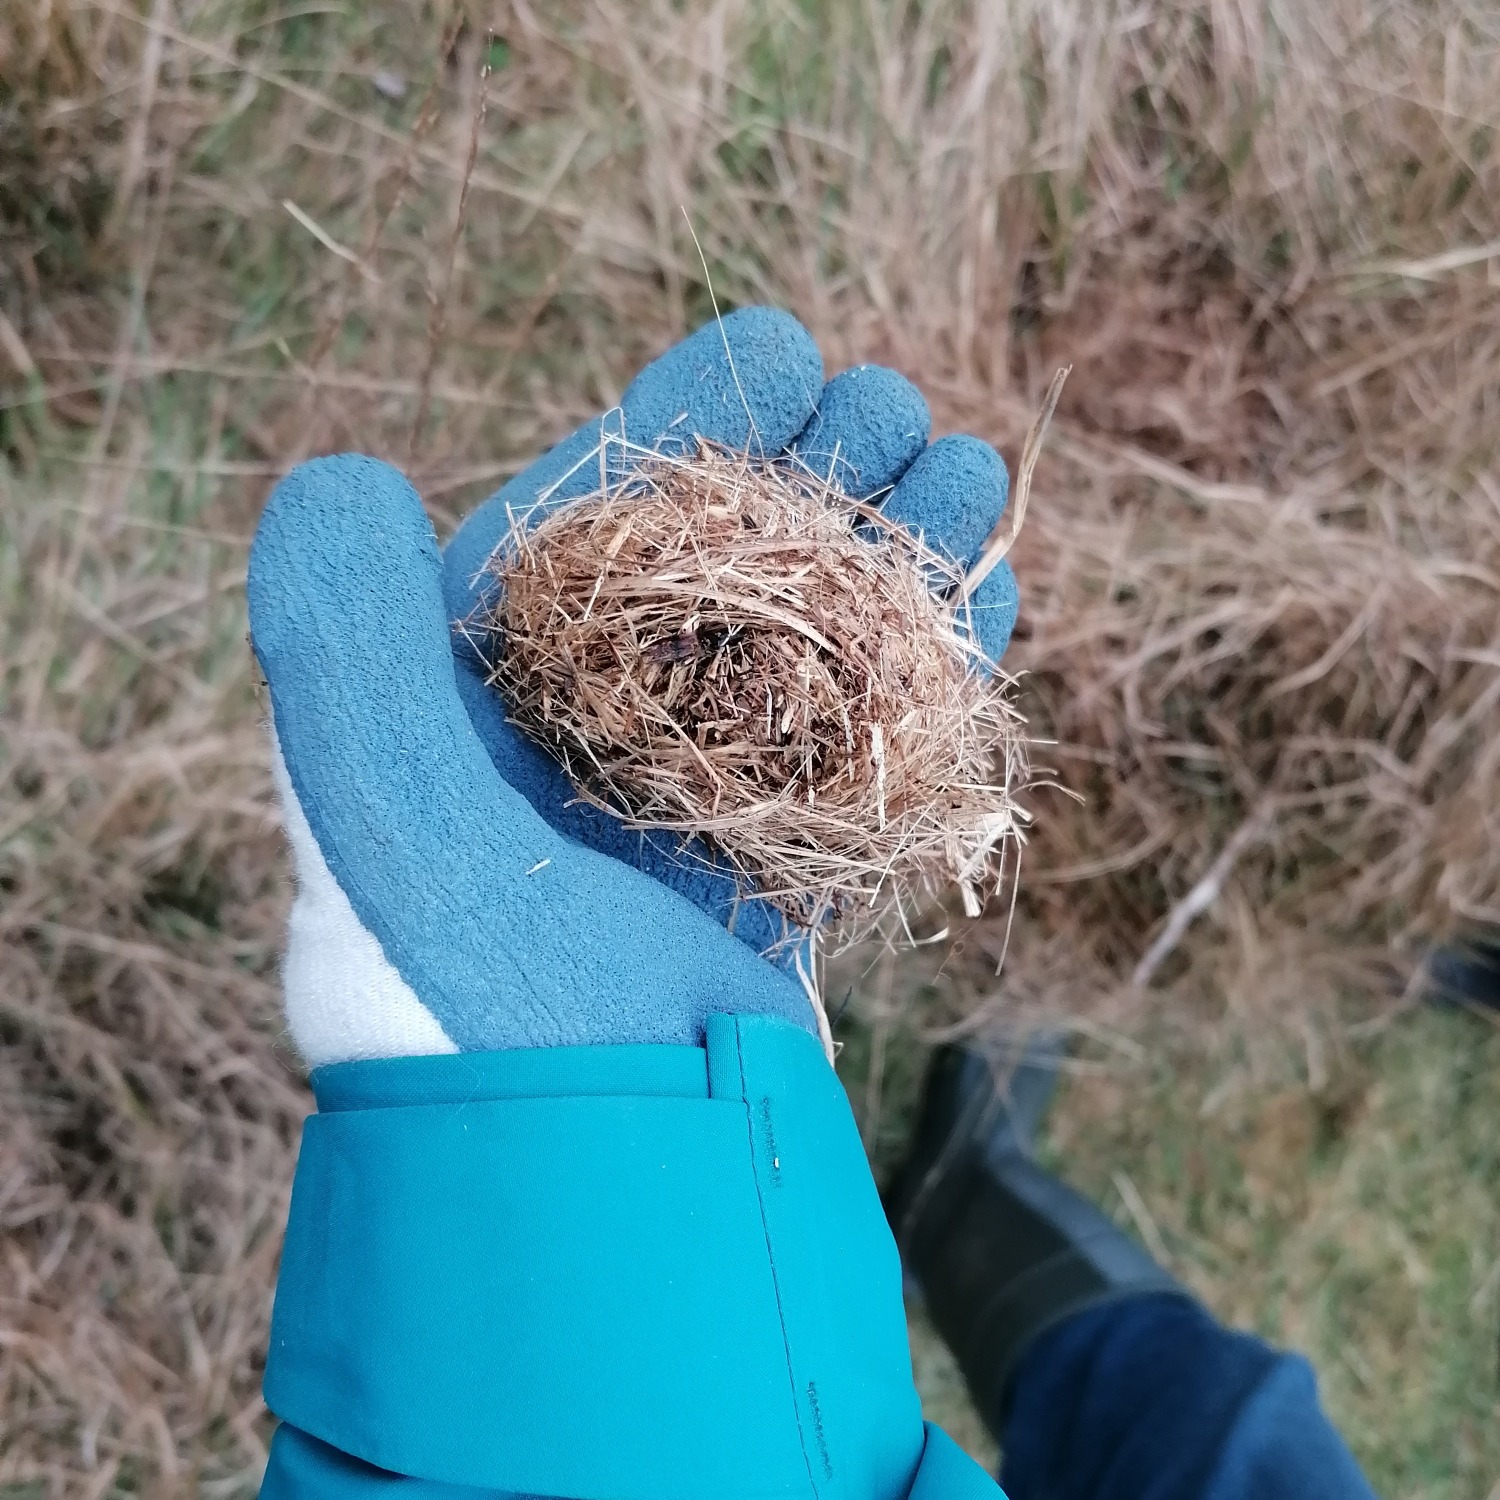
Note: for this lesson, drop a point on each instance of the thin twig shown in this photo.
(758, 448)
(323, 237)
(338, 308)
(1145, 1224)
(1003, 537)
(1201, 897)
(439, 296)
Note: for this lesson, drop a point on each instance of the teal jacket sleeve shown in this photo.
(605, 1273)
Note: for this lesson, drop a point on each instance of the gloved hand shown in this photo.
(449, 896)
(608, 1271)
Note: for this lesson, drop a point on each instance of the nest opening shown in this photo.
(739, 652)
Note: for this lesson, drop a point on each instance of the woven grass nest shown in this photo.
(740, 653)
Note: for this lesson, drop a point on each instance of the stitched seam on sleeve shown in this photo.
(786, 1341)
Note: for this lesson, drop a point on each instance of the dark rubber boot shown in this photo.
(1001, 1249)
(1467, 971)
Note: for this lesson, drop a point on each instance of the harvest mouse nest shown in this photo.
(736, 651)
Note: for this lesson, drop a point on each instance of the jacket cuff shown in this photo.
(625, 1273)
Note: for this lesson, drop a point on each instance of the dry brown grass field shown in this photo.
(1259, 634)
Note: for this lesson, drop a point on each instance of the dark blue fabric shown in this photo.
(1151, 1399)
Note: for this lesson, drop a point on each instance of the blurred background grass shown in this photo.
(1259, 623)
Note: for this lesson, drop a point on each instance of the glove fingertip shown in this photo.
(993, 608)
(750, 379)
(870, 425)
(953, 494)
(325, 522)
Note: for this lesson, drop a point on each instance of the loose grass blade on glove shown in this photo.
(738, 651)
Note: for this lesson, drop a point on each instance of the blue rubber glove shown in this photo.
(450, 897)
